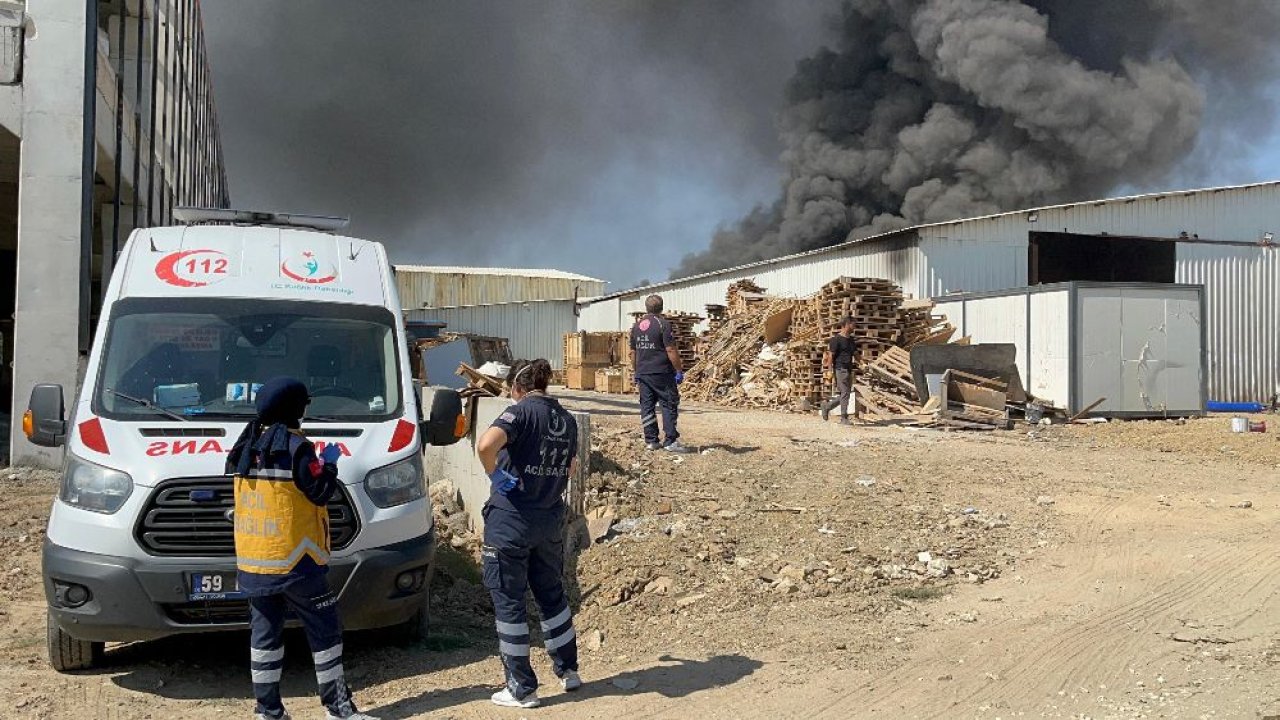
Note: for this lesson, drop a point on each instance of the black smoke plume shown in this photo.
(575, 134)
(932, 110)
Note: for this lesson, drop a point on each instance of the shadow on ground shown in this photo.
(602, 404)
(673, 678)
(731, 449)
(215, 666)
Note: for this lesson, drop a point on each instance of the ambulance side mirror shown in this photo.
(446, 424)
(45, 422)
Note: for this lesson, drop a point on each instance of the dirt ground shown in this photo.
(794, 569)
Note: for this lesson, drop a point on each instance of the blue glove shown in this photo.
(679, 377)
(331, 453)
(502, 481)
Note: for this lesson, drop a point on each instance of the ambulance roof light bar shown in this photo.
(227, 216)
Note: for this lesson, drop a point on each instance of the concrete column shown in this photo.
(48, 289)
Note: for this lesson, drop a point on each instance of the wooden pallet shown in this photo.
(894, 367)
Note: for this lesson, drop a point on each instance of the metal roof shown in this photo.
(516, 272)
(915, 228)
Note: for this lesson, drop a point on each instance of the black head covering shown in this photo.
(281, 404)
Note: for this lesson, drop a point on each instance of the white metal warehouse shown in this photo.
(533, 309)
(1222, 238)
(434, 286)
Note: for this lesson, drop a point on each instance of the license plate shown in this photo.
(214, 586)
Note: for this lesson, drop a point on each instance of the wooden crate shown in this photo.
(580, 378)
(594, 349)
(609, 381)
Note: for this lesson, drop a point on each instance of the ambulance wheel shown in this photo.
(67, 654)
(414, 630)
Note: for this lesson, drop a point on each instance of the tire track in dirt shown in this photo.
(1095, 642)
(1105, 640)
(1091, 533)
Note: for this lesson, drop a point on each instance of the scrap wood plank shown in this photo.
(777, 325)
(1078, 416)
(941, 337)
(894, 367)
(977, 395)
(993, 383)
(479, 379)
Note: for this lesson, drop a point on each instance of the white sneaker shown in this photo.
(570, 681)
(354, 716)
(264, 716)
(675, 447)
(506, 699)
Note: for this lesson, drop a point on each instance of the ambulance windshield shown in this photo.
(205, 358)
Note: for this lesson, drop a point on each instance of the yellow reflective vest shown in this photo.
(275, 524)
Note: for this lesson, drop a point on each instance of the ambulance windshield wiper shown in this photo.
(149, 405)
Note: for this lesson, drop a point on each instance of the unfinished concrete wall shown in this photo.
(49, 198)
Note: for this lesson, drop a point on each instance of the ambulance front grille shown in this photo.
(188, 517)
(212, 612)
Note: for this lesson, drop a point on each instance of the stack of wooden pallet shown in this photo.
(920, 326)
(804, 369)
(585, 353)
(715, 317)
(768, 352)
(742, 295)
(872, 303)
(682, 325)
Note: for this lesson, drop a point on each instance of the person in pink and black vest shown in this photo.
(658, 372)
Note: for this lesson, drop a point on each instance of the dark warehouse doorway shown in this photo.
(1066, 257)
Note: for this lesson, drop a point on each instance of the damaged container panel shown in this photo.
(1139, 347)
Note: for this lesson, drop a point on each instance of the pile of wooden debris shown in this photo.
(767, 352)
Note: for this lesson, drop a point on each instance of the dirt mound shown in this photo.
(730, 532)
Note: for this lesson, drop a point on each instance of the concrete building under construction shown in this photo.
(107, 122)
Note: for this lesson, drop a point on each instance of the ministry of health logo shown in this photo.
(306, 268)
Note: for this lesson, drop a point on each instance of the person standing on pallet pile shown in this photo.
(839, 357)
(659, 372)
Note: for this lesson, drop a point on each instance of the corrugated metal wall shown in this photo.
(1242, 282)
(446, 290)
(793, 277)
(603, 316)
(533, 329)
(1242, 289)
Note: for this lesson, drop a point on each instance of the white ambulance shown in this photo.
(196, 317)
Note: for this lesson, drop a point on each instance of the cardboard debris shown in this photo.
(479, 384)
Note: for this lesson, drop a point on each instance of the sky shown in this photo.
(606, 138)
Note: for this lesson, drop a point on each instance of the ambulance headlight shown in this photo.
(93, 487)
(396, 484)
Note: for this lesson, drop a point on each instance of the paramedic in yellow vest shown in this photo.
(282, 547)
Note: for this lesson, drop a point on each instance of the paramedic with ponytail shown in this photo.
(282, 547)
(529, 454)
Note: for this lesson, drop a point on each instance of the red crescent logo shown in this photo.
(214, 268)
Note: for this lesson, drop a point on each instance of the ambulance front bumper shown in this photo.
(129, 599)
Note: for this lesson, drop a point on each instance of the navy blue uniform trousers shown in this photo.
(525, 551)
(311, 601)
(659, 390)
